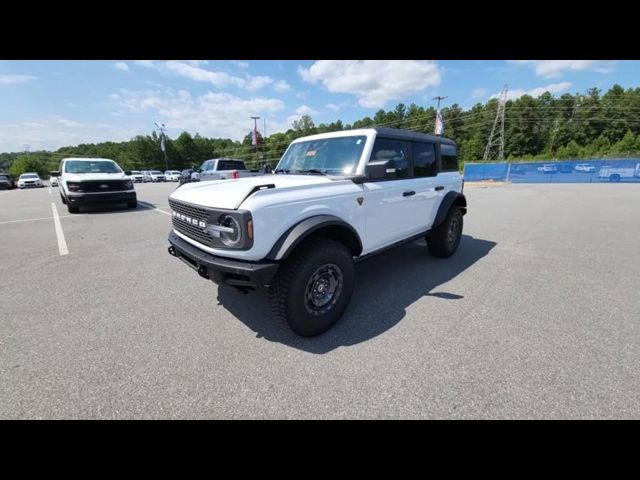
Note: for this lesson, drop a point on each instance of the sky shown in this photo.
(45, 105)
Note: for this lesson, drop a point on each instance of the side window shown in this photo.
(387, 149)
(208, 165)
(424, 159)
(449, 158)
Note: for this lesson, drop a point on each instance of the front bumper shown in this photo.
(223, 270)
(93, 198)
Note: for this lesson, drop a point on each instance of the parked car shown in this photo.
(136, 176)
(85, 181)
(6, 182)
(172, 175)
(29, 180)
(615, 174)
(156, 176)
(548, 168)
(585, 167)
(224, 168)
(189, 175)
(53, 181)
(146, 176)
(334, 198)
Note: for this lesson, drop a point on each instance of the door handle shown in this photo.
(408, 194)
(440, 187)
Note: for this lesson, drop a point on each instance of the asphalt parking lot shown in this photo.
(536, 316)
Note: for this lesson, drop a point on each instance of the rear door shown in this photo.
(426, 183)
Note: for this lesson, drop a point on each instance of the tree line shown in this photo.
(571, 126)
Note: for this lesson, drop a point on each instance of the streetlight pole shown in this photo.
(162, 129)
(255, 130)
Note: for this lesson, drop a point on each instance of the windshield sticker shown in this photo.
(311, 153)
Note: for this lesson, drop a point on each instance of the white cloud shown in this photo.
(281, 86)
(373, 82)
(332, 106)
(552, 88)
(15, 79)
(216, 78)
(306, 110)
(145, 63)
(478, 92)
(212, 114)
(240, 64)
(556, 68)
(121, 66)
(51, 133)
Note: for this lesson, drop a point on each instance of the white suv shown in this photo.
(333, 198)
(85, 181)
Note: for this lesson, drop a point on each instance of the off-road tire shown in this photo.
(442, 241)
(292, 287)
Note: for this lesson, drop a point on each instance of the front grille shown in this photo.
(191, 231)
(98, 186)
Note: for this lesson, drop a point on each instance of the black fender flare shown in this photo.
(301, 230)
(451, 198)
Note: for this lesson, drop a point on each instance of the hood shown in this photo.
(79, 177)
(228, 194)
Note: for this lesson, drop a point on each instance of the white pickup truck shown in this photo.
(615, 174)
(334, 198)
(224, 168)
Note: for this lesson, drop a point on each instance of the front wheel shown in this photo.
(313, 286)
(444, 239)
(72, 208)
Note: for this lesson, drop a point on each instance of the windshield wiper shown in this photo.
(281, 170)
(312, 170)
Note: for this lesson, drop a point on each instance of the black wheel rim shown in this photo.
(454, 231)
(323, 289)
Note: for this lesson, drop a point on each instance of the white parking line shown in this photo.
(62, 243)
(149, 206)
(49, 191)
(32, 219)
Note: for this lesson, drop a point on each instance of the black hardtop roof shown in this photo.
(410, 135)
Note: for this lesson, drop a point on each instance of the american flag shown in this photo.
(439, 123)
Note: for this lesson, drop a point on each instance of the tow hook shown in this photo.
(202, 271)
(171, 251)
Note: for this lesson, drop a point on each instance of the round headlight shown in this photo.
(230, 239)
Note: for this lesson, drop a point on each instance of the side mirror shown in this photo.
(380, 170)
(55, 174)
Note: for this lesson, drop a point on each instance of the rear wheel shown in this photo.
(614, 178)
(313, 286)
(444, 239)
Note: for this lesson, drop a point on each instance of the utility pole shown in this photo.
(438, 98)
(162, 129)
(255, 135)
(496, 138)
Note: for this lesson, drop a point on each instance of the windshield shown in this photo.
(4, 177)
(333, 156)
(28, 175)
(85, 166)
